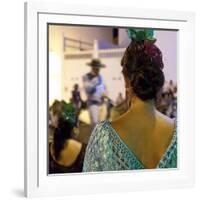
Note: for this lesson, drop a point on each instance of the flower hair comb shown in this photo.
(141, 35)
(68, 112)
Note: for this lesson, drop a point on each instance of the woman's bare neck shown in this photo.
(140, 111)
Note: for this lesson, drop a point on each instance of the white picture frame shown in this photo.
(37, 182)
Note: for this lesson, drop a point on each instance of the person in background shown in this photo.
(141, 138)
(66, 155)
(171, 87)
(95, 89)
(175, 92)
(76, 98)
(166, 102)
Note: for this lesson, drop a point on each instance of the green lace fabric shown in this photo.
(107, 152)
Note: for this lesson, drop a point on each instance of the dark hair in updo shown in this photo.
(142, 65)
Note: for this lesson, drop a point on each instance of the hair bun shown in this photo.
(142, 64)
(147, 82)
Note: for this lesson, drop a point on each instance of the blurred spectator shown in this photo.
(167, 101)
(76, 98)
(171, 86)
(65, 153)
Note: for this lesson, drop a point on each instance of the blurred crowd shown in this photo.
(167, 100)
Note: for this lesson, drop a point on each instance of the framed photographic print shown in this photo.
(109, 99)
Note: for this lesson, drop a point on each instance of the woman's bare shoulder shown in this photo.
(73, 142)
(117, 123)
(166, 122)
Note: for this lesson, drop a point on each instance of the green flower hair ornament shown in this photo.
(68, 112)
(141, 35)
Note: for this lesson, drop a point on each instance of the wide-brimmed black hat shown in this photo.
(96, 63)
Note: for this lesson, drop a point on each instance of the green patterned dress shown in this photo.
(107, 152)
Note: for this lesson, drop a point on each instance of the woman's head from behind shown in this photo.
(142, 69)
(65, 123)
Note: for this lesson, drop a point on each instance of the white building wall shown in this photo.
(56, 34)
(73, 70)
